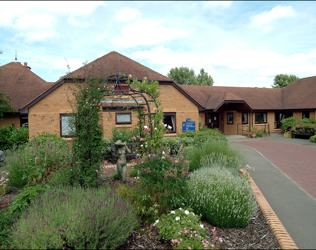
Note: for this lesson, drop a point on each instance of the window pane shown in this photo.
(170, 120)
(123, 118)
(230, 118)
(245, 118)
(66, 129)
(264, 116)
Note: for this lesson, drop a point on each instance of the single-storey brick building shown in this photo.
(230, 109)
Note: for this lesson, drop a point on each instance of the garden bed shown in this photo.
(256, 235)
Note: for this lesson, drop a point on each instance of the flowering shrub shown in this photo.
(185, 230)
(163, 178)
(174, 143)
(300, 128)
(66, 217)
(223, 199)
(4, 182)
(124, 134)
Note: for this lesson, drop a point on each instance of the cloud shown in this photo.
(168, 59)
(127, 14)
(146, 32)
(276, 13)
(260, 78)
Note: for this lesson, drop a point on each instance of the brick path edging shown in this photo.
(284, 239)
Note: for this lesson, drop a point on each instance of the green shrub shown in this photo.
(174, 143)
(32, 165)
(223, 199)
(216, 159)
(195, 153)
(74, 218)
(25, 197)
(291, 121)
(124, 134)
(42, 138)
(162, 177)
(106, 148)
(313, 138)
(6, 221)
(300, 128)
(11, 136)
(204, 135)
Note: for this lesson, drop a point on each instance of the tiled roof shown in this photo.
(21, 84)
(300, 94)
(113, 61)
(210, 97)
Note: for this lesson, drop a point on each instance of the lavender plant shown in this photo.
(223, 199)
(73, 217)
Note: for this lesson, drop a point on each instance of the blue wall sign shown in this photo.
(188, 125)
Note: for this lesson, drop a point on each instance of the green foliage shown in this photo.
(312, 138)
(11, 136)
(6, 221)
(223, 199)
(87, 142)
(186, 76)
(74, 217)
(32, 165)
(282, 80)
(218, 148)
(291, 121)
(300, 128)
(174, 143)
(25, 197)
(203, 135)
(185, 230)
(124, 134)
(5, 104)
(42, 138)
(163, 178)
(106, 148)
(231, 162)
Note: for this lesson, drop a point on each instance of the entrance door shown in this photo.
(212, 120)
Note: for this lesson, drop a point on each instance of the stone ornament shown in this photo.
(121, 161)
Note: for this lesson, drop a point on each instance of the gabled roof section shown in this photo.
(21, 84)
(113, 61)
(257, 98)
(300, 94)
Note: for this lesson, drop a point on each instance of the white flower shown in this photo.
(130, 76)
(180, 208)
(155, 128)
(141, 145)
(193, 214)
(165, 125)
(145, 127)
(172, 212)
(156, 222)
(186, 212)
(177, 218)
(202, 226)
(163, 157)
(163, 152)
(96, 171)
(169, 127)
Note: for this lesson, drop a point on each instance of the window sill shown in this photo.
(123, 125)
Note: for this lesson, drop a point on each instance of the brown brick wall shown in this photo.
(9, 119)
(44, 116)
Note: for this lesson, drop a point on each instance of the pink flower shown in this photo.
(191, 236)
(190, 248)
(220, 240)
(205, 245)
(105, 162)
(134, 138)
(214, 229)
(145, 108)
(138, 120)
(141, 139)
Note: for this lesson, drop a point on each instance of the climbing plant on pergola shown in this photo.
(119, 90)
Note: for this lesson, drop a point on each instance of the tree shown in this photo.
(282, 80)
(5, 105)
(186, 76)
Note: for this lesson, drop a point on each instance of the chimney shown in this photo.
(25, 65)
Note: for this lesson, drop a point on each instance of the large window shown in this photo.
(230, 118)
(123, 118)
(170, 120)
(305, 114)
(66, 125)
(261, 117)
(244, 118)
(278, 117)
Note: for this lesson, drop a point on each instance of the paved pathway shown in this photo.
(285, 173)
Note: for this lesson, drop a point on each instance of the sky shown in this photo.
(239, 43)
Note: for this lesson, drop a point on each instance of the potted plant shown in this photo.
(253, 132)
